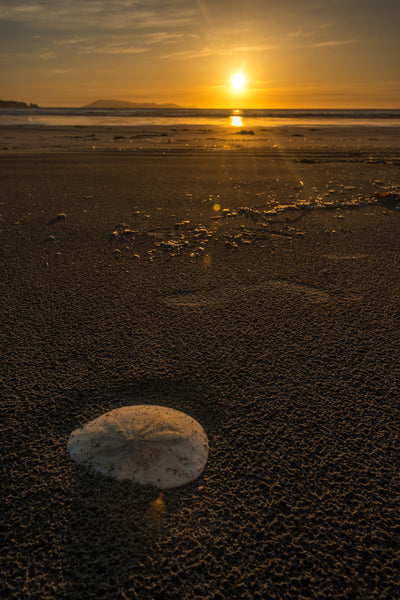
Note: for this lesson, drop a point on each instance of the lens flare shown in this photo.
(156, 512)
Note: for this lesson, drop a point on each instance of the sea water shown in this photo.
(194, 116)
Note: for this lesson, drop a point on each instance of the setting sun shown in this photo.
(238, 81)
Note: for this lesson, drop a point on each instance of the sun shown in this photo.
(238, 81)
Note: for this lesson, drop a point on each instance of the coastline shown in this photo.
(280, 337)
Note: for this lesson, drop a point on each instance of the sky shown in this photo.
(291, 53)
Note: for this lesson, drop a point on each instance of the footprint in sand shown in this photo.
(198, 298)
(191, 298)
(346, 256)
(313, 294)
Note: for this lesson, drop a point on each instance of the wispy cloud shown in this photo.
(18, 12)
(115, 15)
(334, 43)
(300, 33)
(167, 37)
(145, 42)
(69, 41)
(119, 27)
(208, 51)
(47, 54)
(112, 49)
(305, 33)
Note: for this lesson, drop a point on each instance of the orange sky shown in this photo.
(313, 53)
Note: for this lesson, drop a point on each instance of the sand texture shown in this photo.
(276, 328)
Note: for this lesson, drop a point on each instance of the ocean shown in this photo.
(195, 116)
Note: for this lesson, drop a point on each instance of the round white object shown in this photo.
(148, 444)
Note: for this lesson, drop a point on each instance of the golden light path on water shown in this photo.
(236, 121)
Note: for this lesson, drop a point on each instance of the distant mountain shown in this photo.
(15, 104)
(125, 104)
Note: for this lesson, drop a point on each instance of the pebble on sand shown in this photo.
(57, 219)
(148, 444)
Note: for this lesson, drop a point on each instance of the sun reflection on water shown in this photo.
(236, 121)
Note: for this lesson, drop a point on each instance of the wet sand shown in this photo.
(359, 142)
(276, 329)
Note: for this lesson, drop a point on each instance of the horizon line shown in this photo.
(182, 107)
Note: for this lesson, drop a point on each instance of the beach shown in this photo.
(247, 277)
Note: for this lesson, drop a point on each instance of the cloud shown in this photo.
(11, 58)
(208, 51)
(119, 27)
(69, 41)
(112, 49)
(47, 54)
(165, 37)
(300, 33)
(18, 12)
(118, 14)
(143, 43)
(334, 43)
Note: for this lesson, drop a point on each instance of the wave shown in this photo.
(210, 112)
(56, 116)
